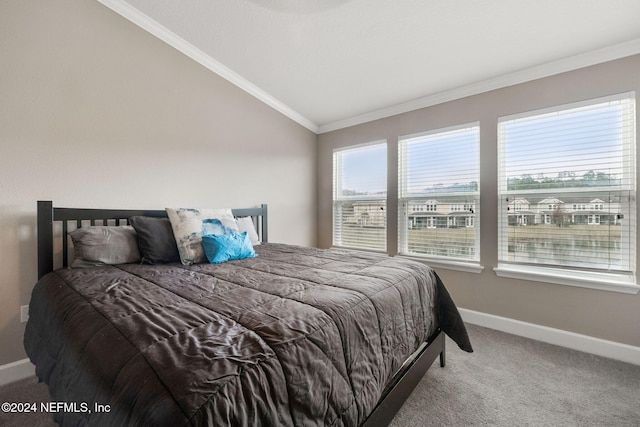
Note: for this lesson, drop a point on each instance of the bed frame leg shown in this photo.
(443, 352)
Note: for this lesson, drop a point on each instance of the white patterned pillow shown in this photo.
(187, 229)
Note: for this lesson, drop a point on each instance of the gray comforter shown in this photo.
(296, 336)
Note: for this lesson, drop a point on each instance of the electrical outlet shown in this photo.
(24, 313)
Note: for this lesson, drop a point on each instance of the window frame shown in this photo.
(451, 202)
(623, 280)
(338, 201)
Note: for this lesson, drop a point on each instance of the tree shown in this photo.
(557, 216)
(564, 179)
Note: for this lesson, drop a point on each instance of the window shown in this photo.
(360, 197)
(440, 169)
(575, 165)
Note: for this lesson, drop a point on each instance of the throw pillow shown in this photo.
(155, 239)
(187, 230)
(226, 247)
(100, 245)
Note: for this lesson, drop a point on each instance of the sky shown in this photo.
(577, 139)
(440, 159)
(446, 158)
(365, 169)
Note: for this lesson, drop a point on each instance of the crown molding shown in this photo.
(143, 21)
(571, 63)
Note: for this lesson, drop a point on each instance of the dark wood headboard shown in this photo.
(48, 215)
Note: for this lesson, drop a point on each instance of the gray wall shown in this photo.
(602, 314)
(96, 112)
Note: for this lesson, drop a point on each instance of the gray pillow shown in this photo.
(156, 242)
(104, 245)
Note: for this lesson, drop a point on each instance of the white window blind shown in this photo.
(567, 186)
(360, 197)
(439, 174)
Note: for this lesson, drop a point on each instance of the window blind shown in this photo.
(360, 197)
(567, 186)
(439, 174)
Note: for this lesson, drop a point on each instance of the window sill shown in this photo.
(468, 267)
(622, 283)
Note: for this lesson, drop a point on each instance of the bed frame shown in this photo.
(54, 222)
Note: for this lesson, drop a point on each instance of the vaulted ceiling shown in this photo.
(333, 63)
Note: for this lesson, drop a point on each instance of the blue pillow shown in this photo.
(226, 247)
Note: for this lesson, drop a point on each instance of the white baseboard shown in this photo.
(15, 371)
(599, 347)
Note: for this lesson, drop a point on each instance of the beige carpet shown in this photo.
(30, 392)
(513, 381)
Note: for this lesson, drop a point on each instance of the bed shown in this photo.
(292, 336)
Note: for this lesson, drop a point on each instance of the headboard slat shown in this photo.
(65, 244)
